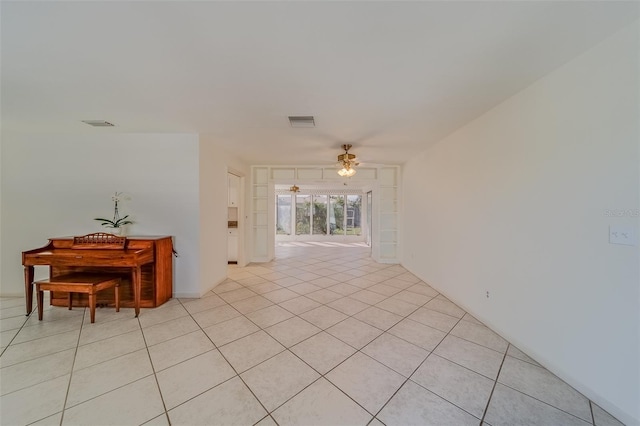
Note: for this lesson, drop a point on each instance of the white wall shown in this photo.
(516, 203)
(54, 185)
(214, 164)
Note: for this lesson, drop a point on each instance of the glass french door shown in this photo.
(283, 215)
(303, 214)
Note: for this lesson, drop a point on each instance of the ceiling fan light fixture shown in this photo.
(346, 172)
(347, 161)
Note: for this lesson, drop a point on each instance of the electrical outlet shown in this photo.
(487, 294)
(620, 234)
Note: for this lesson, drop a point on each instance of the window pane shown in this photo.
(303, 214)
(319, 214)
(283, 215)
(336, 214)
(354, 206)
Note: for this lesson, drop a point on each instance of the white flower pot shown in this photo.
(118, 231)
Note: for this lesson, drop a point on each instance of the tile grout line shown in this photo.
(546, 403)
(15, 335)
(31, 341)
(38, 357)
(109, 391)
(192, 398)
(155, 375)
(272, 418)
(73, 363)
(24, 323)
(495, 383)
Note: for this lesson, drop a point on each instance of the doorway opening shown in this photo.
(234, 198)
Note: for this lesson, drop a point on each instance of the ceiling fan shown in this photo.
(347, 162)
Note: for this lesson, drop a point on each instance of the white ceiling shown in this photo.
(389, 77)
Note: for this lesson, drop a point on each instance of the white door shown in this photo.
(232, 245)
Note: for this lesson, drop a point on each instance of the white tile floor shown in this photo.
(321, 336)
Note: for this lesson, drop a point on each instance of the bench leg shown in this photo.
(92, 306)
(28, 288)
(70, 299)
(118, 297)
(40, 302)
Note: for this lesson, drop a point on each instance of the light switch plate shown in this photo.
(622, 234)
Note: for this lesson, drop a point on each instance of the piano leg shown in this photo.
(28, 287)
(137, 288)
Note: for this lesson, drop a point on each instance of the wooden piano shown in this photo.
(145, 265)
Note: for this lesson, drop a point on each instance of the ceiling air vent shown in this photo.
(302, 121)
(98, 123)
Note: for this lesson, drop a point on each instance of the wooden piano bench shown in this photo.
(89, 284)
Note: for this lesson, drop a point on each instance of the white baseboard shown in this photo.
(214, 286)
(12, 295)
(186, 295)
(191, 295)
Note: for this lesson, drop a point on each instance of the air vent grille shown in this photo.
(302, 121)
(98, 123)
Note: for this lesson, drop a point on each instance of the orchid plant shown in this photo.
(117, 221)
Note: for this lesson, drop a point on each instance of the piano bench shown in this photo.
(88, 284)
